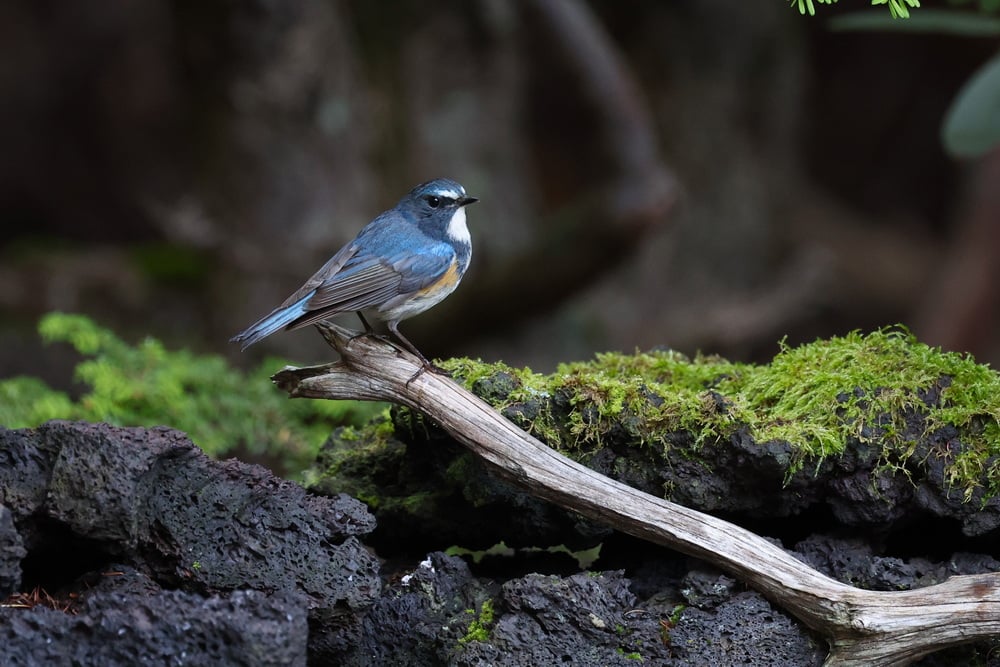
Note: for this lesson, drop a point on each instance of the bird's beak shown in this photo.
(465, 201)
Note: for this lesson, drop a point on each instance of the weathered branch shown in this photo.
(862, 627)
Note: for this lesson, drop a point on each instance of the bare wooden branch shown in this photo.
(862, 627)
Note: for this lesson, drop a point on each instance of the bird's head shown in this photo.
(440, 202)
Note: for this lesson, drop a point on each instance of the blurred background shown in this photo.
(698, 174)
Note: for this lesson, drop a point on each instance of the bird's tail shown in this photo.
(278, 319)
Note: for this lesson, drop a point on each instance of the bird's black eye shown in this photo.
(433, 201)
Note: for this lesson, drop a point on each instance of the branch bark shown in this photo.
(862, 627)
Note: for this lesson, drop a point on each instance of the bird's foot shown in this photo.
(370, 334)
(425, 367)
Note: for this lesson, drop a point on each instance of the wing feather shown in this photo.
(330, 268)
(421, 270)
(365, 281)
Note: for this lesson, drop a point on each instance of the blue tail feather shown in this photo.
(267, 325)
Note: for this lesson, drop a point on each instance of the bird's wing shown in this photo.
(366, 281)
(424, 269)
(330, 268)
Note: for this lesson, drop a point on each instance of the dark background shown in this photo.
(704, 174)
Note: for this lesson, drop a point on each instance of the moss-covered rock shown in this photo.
(877, 427)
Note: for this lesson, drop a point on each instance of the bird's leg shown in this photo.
(368, 328)
(369, 331)
(426, 364)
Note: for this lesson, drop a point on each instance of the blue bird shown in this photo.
(403, 262)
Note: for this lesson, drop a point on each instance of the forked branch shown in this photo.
(862, 627)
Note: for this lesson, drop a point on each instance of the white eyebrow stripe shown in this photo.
(450, 194)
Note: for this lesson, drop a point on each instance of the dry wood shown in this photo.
(862, 627)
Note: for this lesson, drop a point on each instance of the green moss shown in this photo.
(221, 408)
(479, 628)
(868, 387)
(646, 394)
(675, 615)
(884, 387)
(668, 624)
(355, 459)
(632, 655)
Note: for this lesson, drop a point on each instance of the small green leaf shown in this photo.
(806, 6)
(897, 8)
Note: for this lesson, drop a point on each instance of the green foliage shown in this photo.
(479, 628)
(897, 8)
(27, 401)
(221, 408)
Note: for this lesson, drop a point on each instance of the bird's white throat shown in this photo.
(457, 230)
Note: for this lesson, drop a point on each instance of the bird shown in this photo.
(406, 260)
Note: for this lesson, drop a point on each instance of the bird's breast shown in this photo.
(419, 301)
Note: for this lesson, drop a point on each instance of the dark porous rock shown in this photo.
(853, 561)
(745, 630)
(100, 477)
(429, 492)
(150, 499)
(119, 579)
(440, 614)
(26, 462)
(219, 526)
(868, 497)
(585, 619)
(734, 474)
(12, 552)
(939, 497)
(166, 628)
(707, 589)
(421, 618)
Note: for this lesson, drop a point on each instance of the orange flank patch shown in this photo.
(446, 282)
